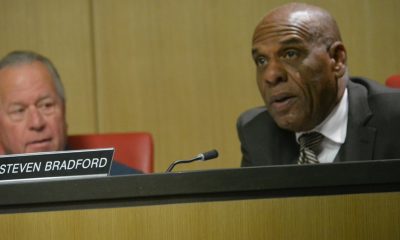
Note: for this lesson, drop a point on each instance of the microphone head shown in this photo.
(202, 156)
(209, 155)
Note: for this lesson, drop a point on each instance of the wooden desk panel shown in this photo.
(355, 216)
(354, 200)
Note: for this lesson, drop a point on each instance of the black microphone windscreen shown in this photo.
(210, 154)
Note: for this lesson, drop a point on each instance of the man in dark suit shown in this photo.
(303, 79)
(32, 107)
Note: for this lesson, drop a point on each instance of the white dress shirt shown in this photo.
(334, 129)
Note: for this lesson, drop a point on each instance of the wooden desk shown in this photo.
(328, 201)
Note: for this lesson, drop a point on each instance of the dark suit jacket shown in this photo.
(120, 169)
(373, 129)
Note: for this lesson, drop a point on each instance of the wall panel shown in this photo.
(178, 69)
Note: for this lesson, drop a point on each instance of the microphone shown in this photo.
(202, 156)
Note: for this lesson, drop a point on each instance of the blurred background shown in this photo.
(181, 70)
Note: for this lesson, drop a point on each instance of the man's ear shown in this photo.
(338, 55)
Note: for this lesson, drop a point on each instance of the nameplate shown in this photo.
(76, 163)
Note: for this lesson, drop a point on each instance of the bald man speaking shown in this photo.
(314, 111)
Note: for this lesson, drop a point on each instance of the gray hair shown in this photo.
(25, 57)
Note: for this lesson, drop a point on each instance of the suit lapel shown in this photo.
(270, 144)
(360, 137)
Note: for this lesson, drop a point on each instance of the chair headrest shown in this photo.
(393, 81)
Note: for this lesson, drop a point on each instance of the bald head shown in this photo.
(301, 65)
(317, 24)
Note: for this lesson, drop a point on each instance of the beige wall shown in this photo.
(178, 69)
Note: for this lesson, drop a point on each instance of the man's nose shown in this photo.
(275, 73)
(36, 120)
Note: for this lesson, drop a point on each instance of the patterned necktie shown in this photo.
(309, 143)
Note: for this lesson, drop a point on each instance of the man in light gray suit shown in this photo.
(303, 78)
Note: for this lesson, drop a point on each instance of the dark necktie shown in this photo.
(309, 143)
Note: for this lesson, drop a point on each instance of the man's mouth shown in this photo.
(281, 102)
(40, 142)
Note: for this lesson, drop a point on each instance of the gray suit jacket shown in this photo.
(373, 129)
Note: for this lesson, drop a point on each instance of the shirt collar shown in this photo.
(335, 125)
